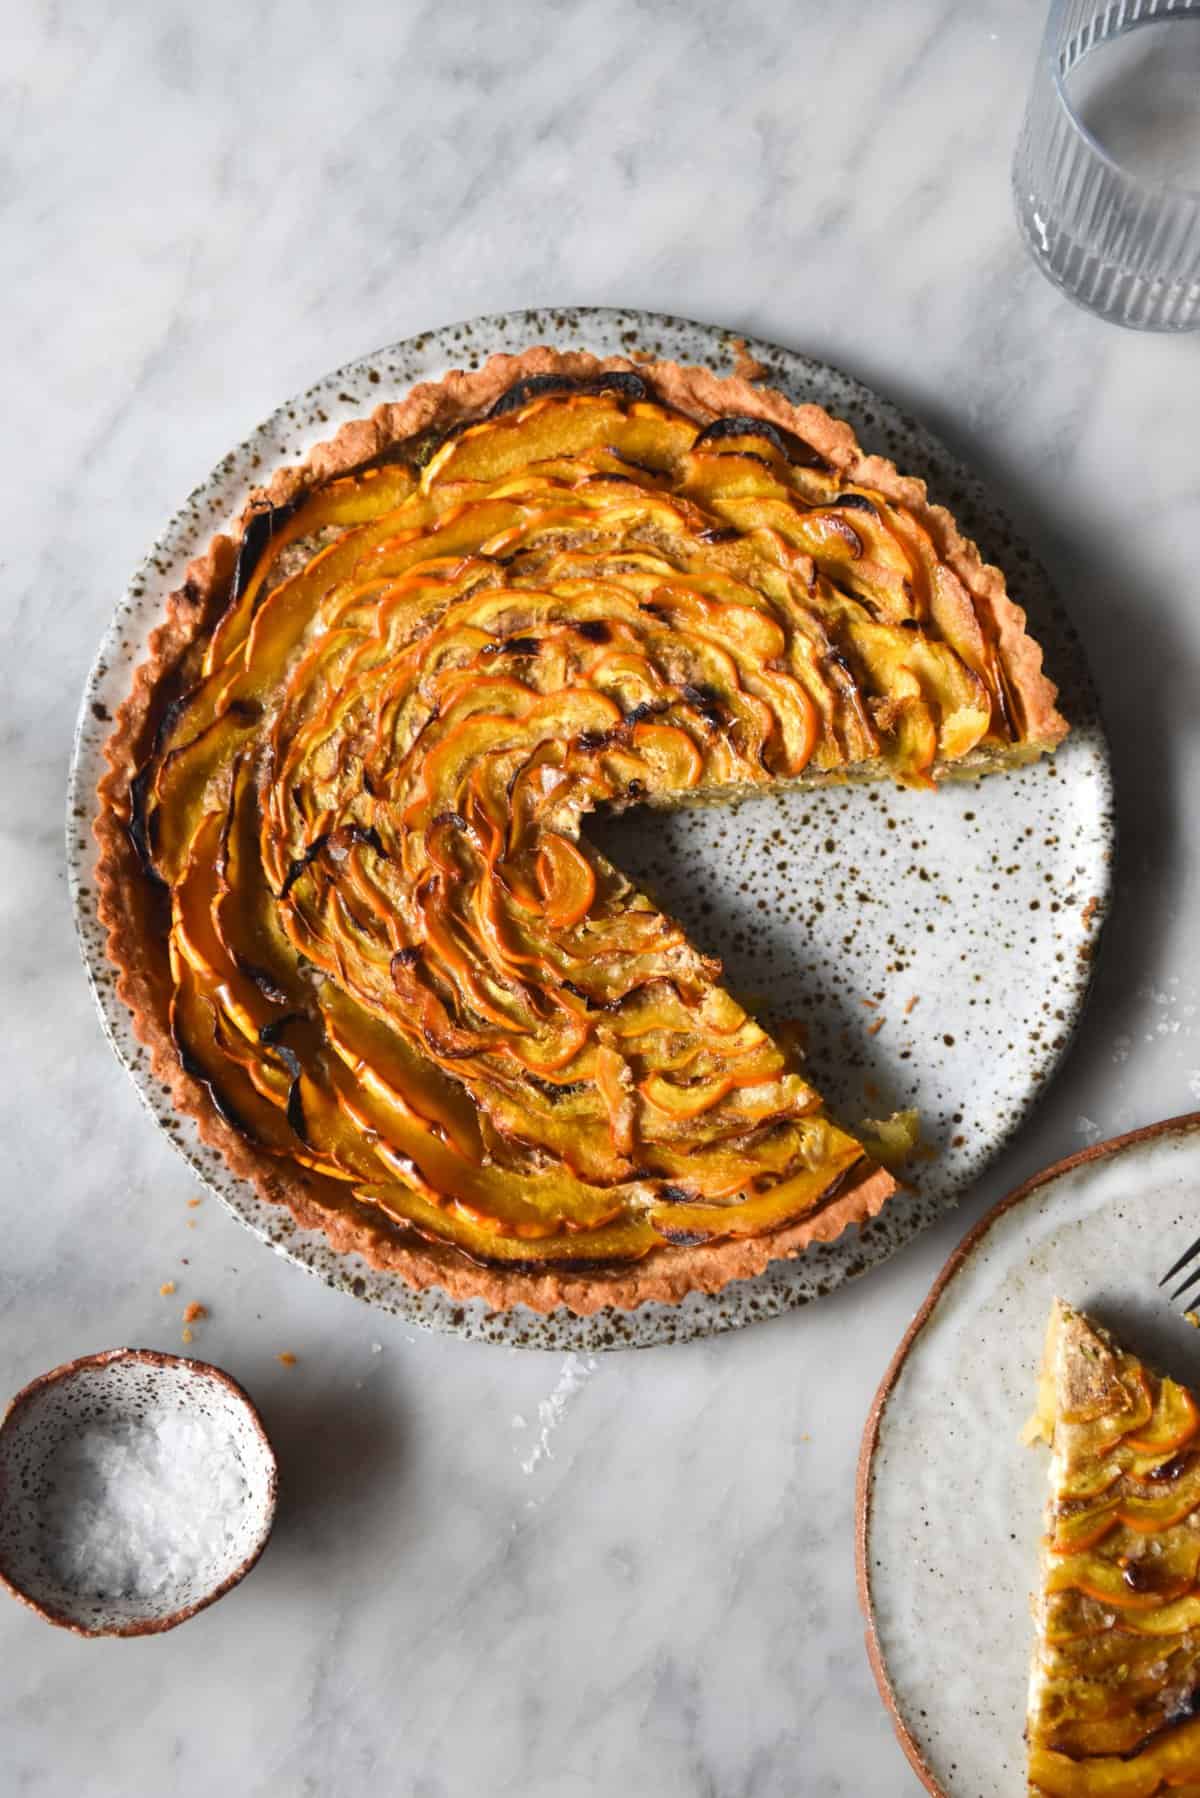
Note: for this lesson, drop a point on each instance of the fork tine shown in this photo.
(1189, 1254)
(1192, 1280)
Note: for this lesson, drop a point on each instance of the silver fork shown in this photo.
(1193, 1279)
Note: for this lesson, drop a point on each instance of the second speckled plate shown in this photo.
(938, 947)
(950, 1501)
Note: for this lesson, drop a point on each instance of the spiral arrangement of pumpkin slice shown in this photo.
(1116, 1679)
(396, 960)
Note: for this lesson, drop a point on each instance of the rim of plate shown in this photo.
(212, 504)
(1185, 1124)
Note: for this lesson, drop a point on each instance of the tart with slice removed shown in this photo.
(1114, 1702)
(344, 862)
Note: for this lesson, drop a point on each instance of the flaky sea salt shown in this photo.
(136, 1510)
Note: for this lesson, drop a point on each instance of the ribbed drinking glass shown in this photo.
(1103, 175)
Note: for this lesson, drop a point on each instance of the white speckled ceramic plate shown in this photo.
(949, 1499)
(981, 904)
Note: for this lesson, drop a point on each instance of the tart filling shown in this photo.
(1115, 1683)
(351, 797)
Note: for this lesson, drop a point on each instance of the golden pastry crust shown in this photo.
(1115, 1677)
(144, 981)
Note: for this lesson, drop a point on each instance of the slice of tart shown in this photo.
(344, 855)
(1114, 1697)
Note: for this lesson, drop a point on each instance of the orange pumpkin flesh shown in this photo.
(395, 961)
(1117, 1662)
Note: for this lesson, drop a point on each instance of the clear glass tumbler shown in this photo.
(1100, 178)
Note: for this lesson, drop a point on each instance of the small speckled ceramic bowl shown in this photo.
(124, 1386)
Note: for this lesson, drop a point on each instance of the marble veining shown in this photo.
(203, 210)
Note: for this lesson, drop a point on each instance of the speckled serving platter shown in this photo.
(949, 1498)
(938, 947)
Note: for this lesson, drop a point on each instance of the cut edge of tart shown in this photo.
(1115, 1675)
(696, 1256)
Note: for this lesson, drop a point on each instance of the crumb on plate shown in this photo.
(166, 1289)
(287, 1358)
(194, 1312)
(746, 366)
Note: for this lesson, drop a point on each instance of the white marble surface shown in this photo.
(497, 1572)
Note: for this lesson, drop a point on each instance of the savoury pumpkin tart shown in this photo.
(341, 859)
(1115, 1685)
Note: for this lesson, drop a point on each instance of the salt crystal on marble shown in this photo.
(134, 1510)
